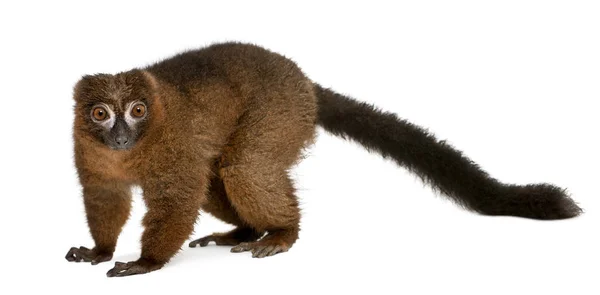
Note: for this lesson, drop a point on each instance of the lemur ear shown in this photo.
(142, 80)
(82, 86)
(90, 86)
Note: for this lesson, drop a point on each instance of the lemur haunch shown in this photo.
(218, 129)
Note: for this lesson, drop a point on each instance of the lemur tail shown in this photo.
(437, 163)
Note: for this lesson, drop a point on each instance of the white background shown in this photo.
(514, 84)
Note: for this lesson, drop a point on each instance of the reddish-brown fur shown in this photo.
(222, 141)
(223, 127)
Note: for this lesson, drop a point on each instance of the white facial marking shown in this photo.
(107, 123)
(129, 119)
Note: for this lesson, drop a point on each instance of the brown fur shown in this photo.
(221, 138)
(223, 127)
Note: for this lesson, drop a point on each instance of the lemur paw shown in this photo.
(140, 266)
(231, 238)
(87, 255)
(261, 249)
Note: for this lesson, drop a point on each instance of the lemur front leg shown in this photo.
(107, 209)
(173, 203)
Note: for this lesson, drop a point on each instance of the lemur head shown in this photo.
(116, 109)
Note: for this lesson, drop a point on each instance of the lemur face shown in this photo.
(115, 108)
(119, 122)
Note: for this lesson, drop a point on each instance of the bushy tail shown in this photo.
(437, 163)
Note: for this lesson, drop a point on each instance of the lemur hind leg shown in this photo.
(269, 206)
(219, 206)
(256, 182)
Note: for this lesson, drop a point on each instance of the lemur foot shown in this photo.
(140, 266)
(88, 255)
(273, 243)
(231, 238)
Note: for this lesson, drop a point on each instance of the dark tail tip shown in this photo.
(536, 201)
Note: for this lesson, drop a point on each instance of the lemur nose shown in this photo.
(122, 140)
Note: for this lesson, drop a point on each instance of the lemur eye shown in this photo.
(99, 113)
(138, 110)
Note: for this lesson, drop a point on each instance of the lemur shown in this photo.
(218, 129)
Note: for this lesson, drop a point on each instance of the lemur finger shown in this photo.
(203, 242)
(101, 258)
(119, 267)
(241, 248)
(71, 254)
(262, 252)
(276, 250)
